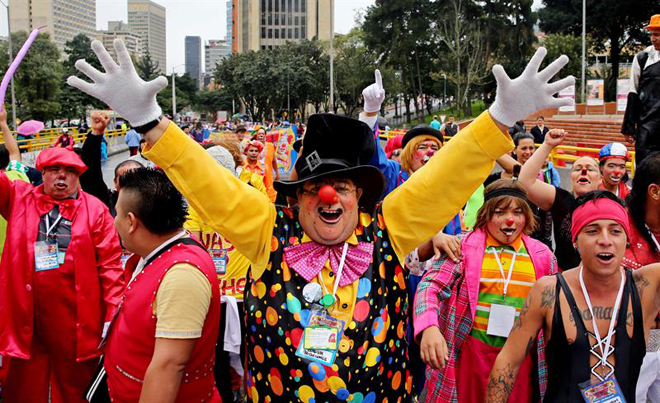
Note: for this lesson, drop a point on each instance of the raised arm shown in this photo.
(218, 196)
(8, 138)
(540, 193)
(521, 339)
(507, 162)
(419, 208)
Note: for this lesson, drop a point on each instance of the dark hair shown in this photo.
(4, 157)
(122, 164)
(647, 173)
(142, 141)
(593, 196)
(520, 136)
(487, 210)
(540, 117)
(160, 207)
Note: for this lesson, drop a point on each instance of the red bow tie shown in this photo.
(308, 259)
(46, 203)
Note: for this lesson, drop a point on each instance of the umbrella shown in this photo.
(30, 127)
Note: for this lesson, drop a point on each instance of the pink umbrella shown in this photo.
(30, 127)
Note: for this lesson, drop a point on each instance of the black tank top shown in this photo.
(569, 365)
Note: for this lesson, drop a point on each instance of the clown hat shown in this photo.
(614, 150)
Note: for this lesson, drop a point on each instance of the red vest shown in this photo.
(131, 343)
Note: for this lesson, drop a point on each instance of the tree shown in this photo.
(612, 24)
(38, 79)
(147, 68)
(75, 102)
(186, 93)
(211, 101)
(569, 45)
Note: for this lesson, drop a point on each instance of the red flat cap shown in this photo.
(60, 156)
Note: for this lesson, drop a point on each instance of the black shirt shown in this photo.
(567, 256)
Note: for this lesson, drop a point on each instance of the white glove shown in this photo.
(519, 98)
(374, 95)
(120, 86)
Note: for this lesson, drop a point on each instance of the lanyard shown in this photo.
(340, 270)
(506, 279)
(144, 260)
(51, 227)
(655, 241)
(604, 351)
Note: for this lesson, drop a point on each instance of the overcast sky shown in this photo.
(205, 18)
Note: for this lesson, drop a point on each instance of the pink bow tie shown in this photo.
(308, 259)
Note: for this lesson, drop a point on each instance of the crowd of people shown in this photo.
(410, 272)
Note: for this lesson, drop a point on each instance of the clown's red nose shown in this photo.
(509, 221)
(328, 194)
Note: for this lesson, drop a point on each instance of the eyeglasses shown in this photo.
(342, 190)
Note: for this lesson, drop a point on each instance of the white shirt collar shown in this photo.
(143, 260)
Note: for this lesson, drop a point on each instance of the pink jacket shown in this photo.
(99, 280)
(447, 297)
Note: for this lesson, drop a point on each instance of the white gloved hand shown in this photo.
(519, 98)
(120, 86)
(374, 95)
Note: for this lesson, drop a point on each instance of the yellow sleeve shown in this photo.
(219, 197)
(425, 203)
(182, 302)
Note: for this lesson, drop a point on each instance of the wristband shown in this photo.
(148, 126)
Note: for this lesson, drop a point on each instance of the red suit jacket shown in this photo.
(99, 280)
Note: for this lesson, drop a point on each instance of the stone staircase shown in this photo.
(591, 132)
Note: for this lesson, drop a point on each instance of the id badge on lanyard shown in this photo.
(45, 256)
(321, 336)
(607, 391)
(219, 260)
(502, 315)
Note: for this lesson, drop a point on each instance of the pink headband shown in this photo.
(601, 209)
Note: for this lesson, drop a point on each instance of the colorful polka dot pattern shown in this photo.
(372, 361)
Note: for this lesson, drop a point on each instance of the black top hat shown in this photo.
(421, 130)
(342, 147)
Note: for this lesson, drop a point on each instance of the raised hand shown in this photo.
(554, 137)
(516, 99)
(120, 86)
(374, 95)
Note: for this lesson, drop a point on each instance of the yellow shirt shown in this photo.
(182, 302)
(413, 212)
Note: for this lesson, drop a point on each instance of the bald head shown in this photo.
(124, 167)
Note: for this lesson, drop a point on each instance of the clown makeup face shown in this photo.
(524, 150)
(507, 223)
(423, 154)
(261, 135)
(252, 154)
(585, 176)
(613, 172)
(602, 244)
(60, 181)
(329, 224)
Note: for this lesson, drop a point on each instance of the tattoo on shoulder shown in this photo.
(548, 297)
(641, 283)
(500, 384)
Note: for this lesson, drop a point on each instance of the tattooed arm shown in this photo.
(540, 300)
(647, 281)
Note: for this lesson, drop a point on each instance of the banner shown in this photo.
(568, 92)
(596, 92)
(622, 90)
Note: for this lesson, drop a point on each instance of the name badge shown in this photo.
(501, 320)
(607, 391)
(45, 256)
(219, 260)
(125, 255)
(321, 338)
(320, 341)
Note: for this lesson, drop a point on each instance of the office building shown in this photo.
(264, 24)
(63, 19)
(193, 49)
(121, 30)
(230, 21)
(214, 51)
(148, 19)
